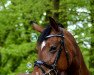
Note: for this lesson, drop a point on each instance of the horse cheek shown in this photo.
(62, 62)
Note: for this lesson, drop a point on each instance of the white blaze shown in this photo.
(43, 44)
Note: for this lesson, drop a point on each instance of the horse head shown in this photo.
(58, 52)
(53, 55)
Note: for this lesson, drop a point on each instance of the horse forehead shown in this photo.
(43, 44)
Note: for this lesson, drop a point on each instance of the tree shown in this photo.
(56, 9)
(91, 62)
(15, 33)
(17, 49)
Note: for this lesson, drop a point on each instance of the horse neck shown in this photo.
(83, 68)
(77, 66)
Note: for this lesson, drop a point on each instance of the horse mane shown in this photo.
(46, 32)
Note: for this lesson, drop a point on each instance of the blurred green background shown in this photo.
(18, 39)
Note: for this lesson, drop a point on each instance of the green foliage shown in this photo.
(17, 48)
(16, 56)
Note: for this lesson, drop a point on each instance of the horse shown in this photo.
(58, 52)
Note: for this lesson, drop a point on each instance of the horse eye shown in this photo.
(53, 48)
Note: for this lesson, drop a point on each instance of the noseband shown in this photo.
(52, 67)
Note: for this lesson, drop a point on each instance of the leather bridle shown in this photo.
(52, 67)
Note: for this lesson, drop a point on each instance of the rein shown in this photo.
(52, 67)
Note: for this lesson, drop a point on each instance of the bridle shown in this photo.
(52, 67)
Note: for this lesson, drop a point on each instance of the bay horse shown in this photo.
(58, 52)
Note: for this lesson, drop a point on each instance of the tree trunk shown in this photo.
(56, 8)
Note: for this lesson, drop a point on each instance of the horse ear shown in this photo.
(37, 27)
(54, 25)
